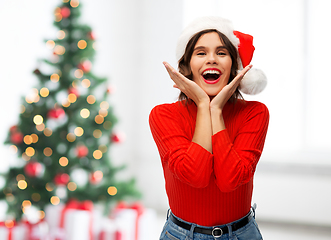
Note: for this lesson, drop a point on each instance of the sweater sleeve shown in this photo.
(235, 161)
(188, 161)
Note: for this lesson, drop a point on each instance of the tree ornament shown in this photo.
(117, 137)
(37, 71)
(16, 137)
(91, 35)
(73, 90)
(33, 169)
(85, 66)
(61, 179)
(96, 177)
(81, 151)
(56, 113)
(110, 90)
(65, 12)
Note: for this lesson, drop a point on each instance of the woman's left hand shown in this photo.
(224, 95)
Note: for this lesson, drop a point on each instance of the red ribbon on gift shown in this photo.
(74, 204)
(136, 206)
(118, 235)
(9, 225)
(30, 227)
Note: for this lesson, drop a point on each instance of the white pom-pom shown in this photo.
(253, 82)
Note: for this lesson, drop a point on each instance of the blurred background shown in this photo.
(293, 178)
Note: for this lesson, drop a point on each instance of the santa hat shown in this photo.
(254, 80)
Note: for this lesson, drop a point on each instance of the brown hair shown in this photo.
(184, 63)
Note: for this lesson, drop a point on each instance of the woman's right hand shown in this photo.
(190, 88)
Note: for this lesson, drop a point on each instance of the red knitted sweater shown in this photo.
(204, 188)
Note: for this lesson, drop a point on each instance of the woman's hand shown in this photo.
(224, 95)
(190, 88)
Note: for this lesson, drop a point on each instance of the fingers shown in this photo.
(177, 77)
(240, 75)
(245, 70)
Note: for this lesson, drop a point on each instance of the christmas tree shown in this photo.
(65, 128)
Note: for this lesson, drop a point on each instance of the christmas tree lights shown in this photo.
(65, 128)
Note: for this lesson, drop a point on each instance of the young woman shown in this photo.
(210, 141)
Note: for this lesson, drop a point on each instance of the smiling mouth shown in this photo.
(211, 76)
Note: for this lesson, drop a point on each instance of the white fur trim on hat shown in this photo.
(221, 24)
(254, 80)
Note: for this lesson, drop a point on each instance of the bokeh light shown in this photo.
(50, 44)
(97, 154)
(22, 184)
(55, 200)
(38, 119)
(86, 83)
(27, 139)
(35, 197)
(79, 131)
(90, 99)
(79, 73)
(49, 187)
(59, 50)
(74, 3)
(44, 92)
(40, 127)
(97, 133)
(84, 113)
(99, 119)
(72, 186)
(48, 151)
(61, 34)
(48, 132)
(29, 151)
(112, 191)
(71, 137)
(72, 98)
(82, 44)
(63, 161)
(55, 77)
(104, 105)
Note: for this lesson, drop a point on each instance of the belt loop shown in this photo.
(254, 208)
(230, 230)
(168, 213)
(192, 231)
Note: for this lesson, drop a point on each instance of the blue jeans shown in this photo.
(250, 231)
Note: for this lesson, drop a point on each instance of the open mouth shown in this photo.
(211, 76)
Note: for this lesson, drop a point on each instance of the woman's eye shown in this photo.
(221, 53)
(200, 53)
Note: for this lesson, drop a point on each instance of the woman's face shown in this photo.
(210, 64)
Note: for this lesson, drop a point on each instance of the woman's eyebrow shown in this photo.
(199, 48)
(221, 47)
(203, 47)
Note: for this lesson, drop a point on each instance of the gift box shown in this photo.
(72, 221)
(132, 222)
(12, 231)
(36, 231)
(109, 230)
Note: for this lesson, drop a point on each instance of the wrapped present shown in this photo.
(134, 222)
(36, 231)
(109, 230)
(11, 230)
(73, 221)
(53, 218)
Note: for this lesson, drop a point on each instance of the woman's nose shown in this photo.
(211, 59)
